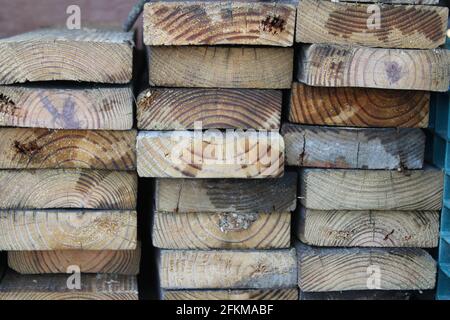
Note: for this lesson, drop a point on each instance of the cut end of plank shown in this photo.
(227, 195)
(67, 107)
(354, 148)
(88, 55)
(210, 154)
(124, 262)
(358, 107)
(54, 287)
(178, 23)
(262, 269)
(221, 67)
(330, 65)
(400, 26)
(188, 109)
(339, 269)
(330, 189)
(221, 230)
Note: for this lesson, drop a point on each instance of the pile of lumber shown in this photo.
(68, 182)
(210, 136)
(368, 203)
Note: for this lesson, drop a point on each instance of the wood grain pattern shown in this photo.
(350, 66)
(24, 148)
(330, 269)
(210, 154)
(193, 269)
(67, 188)
(219, 22)
(221, 67)
(354, 148)
(367, 228)
(227, 196)
(54, 287)
(58, 261)
(268, 294)
(328, 189)
(222, 230)
(181, 108)
(67, 107)
(67, 230)
(75, 55)
(400, 26)
(395, 1)
(359, 107)
(360, 295)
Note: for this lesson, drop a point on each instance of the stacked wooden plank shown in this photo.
(68, 186)
(368, 203)
(226, 236)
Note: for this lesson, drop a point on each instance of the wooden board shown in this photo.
(399, 26)
(395, 1)
(227, 195)
(105, 261)
(222, 230)
(368, 228)
(181, 108)
(364, 295)
(67, 188)
(354, 148)
(67, 230)
(221, 67)
(350, 66)
(268, 294)
(210, 154)
(359, 107)
(176, 23)
(67, 107)
(88, 55)
(54, 287)
(227, 269)
(328, 189)
(330, 269)
(24, 148)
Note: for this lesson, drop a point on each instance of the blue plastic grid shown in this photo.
(440, 157)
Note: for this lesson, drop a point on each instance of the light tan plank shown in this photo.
(90, 55)
(275, 294)
(54, 287)
(24, 148)
(328, 189)
(366, 228)
(67, 230)
(330, 269)
(221, 230)
(212, 154)
(221, 67)
(41, 262)
(227, 195)
(354, 148)
(193, 269)
(181, 108)
(350, 66)
(67, 188)
(66, 107)
(399, 26)
(359, 107)
(178, 23)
